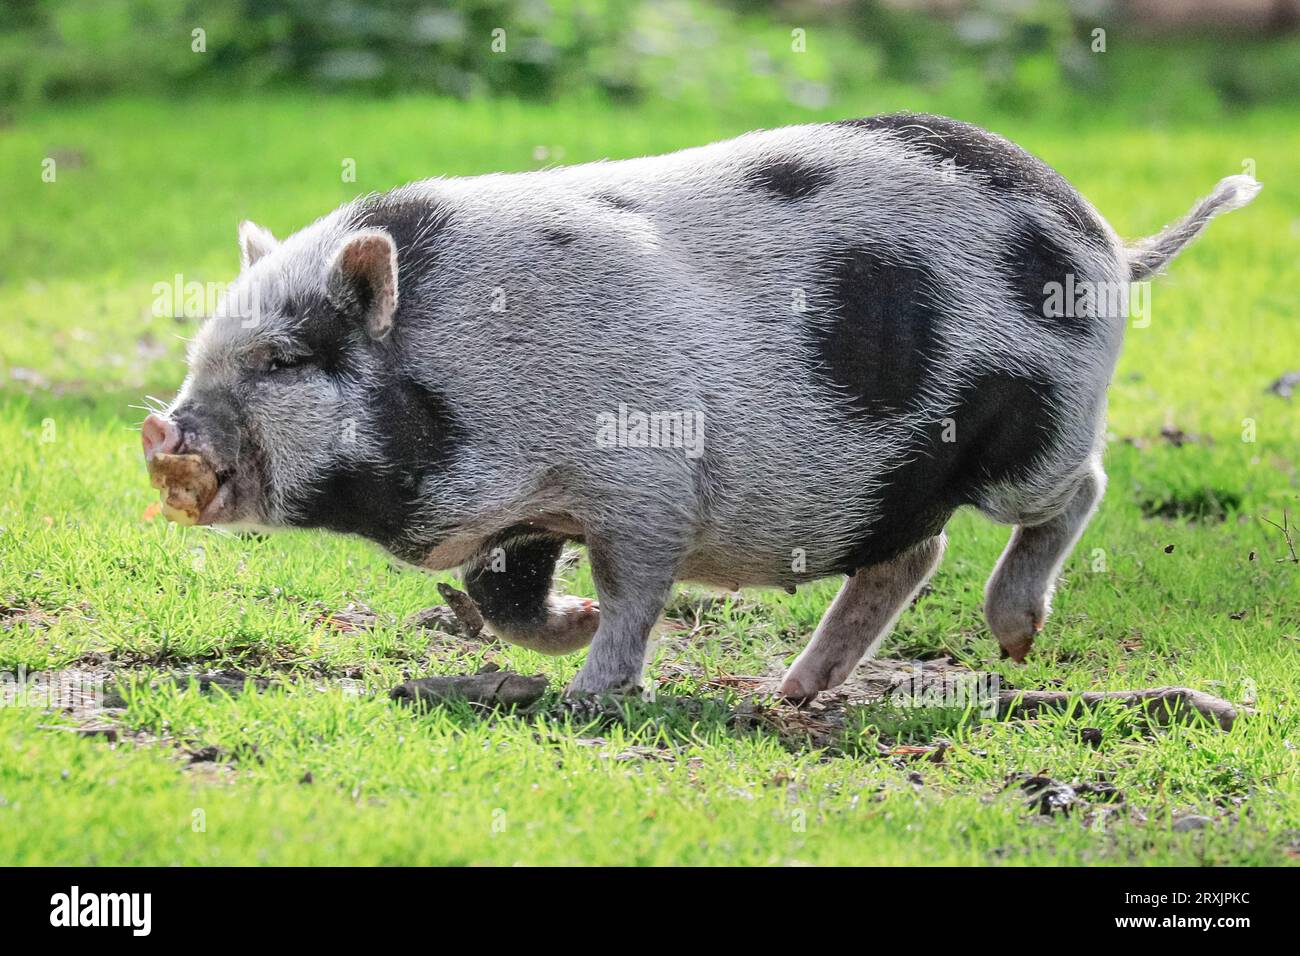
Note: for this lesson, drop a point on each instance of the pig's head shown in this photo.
(297, 396)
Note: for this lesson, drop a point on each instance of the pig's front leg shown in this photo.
(633, 581)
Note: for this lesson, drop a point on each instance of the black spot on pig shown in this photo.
(875, 340)
(349, 500)
(417, 438)
(1042, 276)
(415, 226)
(510, 585)
(1003, 424)
(1000, 162)
(787, 179)
(995, 430)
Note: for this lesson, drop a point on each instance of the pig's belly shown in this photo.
(767, 558)
(716, 571)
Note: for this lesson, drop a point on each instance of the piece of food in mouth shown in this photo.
(188, 485)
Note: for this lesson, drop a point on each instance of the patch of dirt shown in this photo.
(1201, 504)
(1048, 797)
(822, 722)
(31, 615)
(357, 616)
(34, 614)
(81, 693)
(440, 619)
(91, 705)
(86, 698)
(230, 680)
(606, 752)
(353, 616)
(1170, 434)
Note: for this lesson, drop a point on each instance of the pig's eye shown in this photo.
(281, 363)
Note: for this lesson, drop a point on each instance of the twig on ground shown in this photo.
(487, 688)
(1285, 528)
(1163, 704)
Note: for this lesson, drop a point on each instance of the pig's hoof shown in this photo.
(1015, 652)
(619, 692)
(588, 687)
(1015, 628)
(796, 690)
(588, 705)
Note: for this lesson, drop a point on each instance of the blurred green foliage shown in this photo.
(1021, 56)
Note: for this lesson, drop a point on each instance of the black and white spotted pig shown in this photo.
(845, 332)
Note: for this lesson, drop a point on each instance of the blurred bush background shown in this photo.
(1159, 57)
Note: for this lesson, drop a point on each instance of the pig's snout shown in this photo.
(159, 436)
(192, 490)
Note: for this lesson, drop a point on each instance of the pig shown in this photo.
(758, 363)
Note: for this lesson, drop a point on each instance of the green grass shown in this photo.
(321, 767)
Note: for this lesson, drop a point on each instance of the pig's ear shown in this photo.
(254, 242)
(361, 280)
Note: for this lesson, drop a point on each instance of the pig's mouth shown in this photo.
(222, 507)
(238, 497)
(194, 491)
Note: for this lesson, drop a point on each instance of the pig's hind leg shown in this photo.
(1018, 597)
(861, 614)
(511, 584)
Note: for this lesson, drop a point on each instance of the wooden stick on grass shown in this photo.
(1164, 705)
